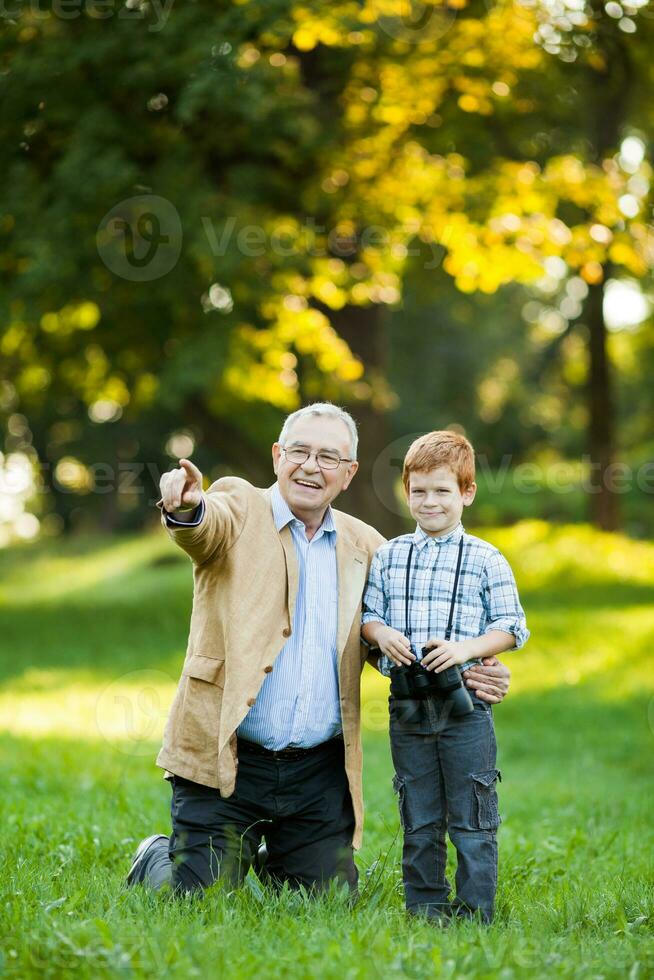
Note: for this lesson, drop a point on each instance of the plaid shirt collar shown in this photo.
(421, 539)
(283, 515)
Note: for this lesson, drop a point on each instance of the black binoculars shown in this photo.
(417, 683)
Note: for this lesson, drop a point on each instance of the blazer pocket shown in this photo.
(205, 669)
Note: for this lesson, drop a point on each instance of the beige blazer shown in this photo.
(245, 581)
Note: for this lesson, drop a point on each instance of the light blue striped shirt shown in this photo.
(298, 703)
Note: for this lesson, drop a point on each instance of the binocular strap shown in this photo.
(450, 621)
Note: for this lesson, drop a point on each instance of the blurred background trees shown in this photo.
(437, 215)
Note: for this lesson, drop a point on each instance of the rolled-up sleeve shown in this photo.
(501, 600)
(375, 606)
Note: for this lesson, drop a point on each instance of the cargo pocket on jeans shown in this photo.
(485, 812)
(398, 787)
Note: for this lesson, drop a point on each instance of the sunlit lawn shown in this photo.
(92, 639)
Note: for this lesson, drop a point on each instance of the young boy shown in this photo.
(422, 587)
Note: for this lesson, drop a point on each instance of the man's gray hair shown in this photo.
(325, 409)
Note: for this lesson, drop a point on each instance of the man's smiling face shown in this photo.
(307, 488)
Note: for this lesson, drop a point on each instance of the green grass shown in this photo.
(93, 634)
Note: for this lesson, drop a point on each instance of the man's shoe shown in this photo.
(260, 860)
(136, 871)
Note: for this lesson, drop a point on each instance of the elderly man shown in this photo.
(263, 736)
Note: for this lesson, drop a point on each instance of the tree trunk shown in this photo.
(230, 443)
(610, 87)
(603, 499)
(365, 330)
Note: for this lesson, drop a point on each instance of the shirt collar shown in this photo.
(421, 538)
(283, 515)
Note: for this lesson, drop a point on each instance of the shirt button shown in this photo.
(286, 631)
(267, 669)
(251, 701)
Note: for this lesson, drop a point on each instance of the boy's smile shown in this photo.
(436, 501)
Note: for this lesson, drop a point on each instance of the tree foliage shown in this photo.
(319, 157)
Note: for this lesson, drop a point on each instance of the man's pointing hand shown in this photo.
(181, 489)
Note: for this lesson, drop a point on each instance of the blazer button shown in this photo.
(286, 631)
(251, 701)
(267, 669)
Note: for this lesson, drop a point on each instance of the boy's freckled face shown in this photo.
(436, 501)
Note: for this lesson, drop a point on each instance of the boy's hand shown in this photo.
(444, 653)
(395, 645)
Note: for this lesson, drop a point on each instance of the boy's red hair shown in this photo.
(441, 448)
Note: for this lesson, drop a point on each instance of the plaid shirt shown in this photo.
(487, 597)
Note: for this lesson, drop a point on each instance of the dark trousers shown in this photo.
(303, 808)
(446, 781)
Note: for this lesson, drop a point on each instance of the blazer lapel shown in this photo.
(290, 557)
(292, 571)
(352, 564)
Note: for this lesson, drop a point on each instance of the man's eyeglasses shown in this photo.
(326, 461)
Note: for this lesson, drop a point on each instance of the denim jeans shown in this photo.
(445, 778)
(303, 808)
